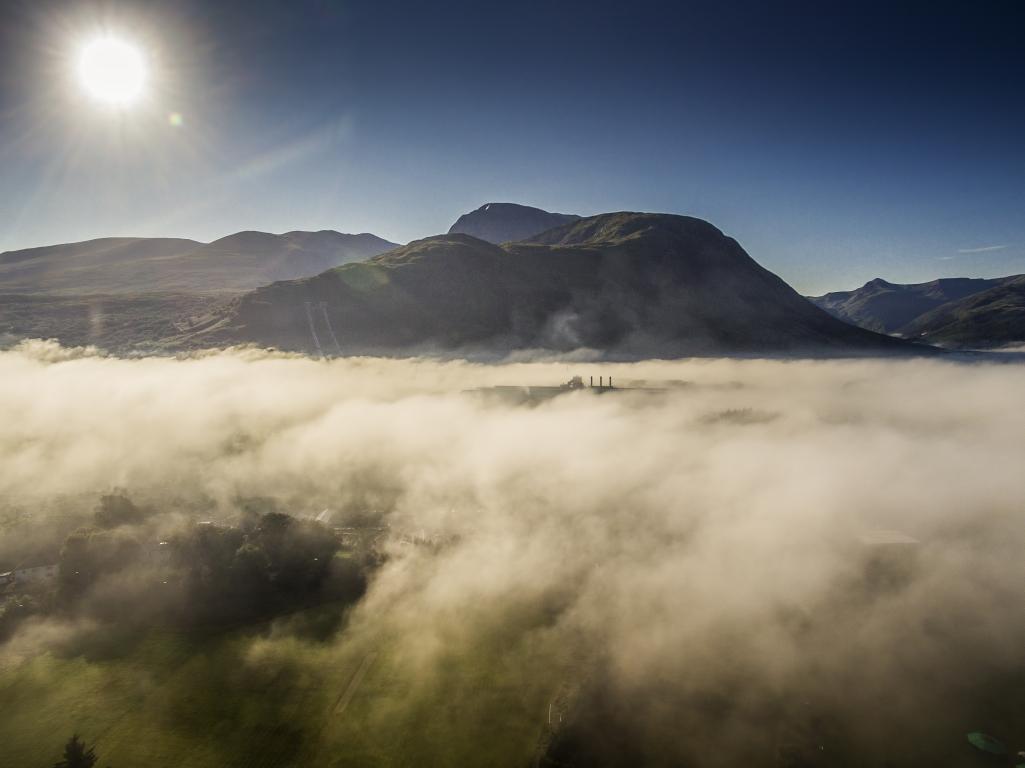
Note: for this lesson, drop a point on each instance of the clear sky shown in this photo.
(836, 141)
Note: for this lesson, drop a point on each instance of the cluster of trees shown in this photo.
(90, 553)
(106, 547)
(118, 570)
(269, 562)
(117, 509)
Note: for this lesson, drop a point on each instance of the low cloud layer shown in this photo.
(681, 568)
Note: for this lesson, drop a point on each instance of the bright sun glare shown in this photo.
(112, 71)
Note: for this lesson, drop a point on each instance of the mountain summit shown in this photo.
(624, 284)
(507, 222)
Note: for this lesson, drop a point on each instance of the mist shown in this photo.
(678, 569)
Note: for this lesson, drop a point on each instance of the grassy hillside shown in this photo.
(111, 322)
(264, 697)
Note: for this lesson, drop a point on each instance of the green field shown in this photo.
(264, 697)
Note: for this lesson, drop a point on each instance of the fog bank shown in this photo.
(681, 568)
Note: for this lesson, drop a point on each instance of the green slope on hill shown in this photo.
(626, 284)
(260, 698)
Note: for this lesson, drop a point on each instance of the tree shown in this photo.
(117, 509)
(76, 755)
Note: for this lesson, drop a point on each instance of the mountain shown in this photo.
(128, 293)
(989, 318)
(507, 222)
(889, 307)
(627, 284)
(239, 262)
(923, 310)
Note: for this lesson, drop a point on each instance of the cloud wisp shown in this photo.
(983, 249)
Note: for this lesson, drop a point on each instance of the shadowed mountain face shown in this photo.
(235, 263)
(507, 222)
(989, 318)
(627, 284)
(955, 311)
(889, 307)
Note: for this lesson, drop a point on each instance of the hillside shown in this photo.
(113, 322)
(239, 262)
(507, 222)
(958, 312)
(889, 307)
(626, 284)
(990, 318)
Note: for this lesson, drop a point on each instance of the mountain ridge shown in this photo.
(940, 311)
(237, 262)
(625, 283)
(990, 318)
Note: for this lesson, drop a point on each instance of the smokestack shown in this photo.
(610, 382)
(601, 382)
(592, 381)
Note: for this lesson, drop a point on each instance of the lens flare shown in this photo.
(112, 71)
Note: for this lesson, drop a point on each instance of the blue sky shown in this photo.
(837, 142)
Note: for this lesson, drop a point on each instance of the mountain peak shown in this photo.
(508, 222)
(878, 282)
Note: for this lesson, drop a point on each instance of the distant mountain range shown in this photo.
(129, 293)
(507, 222)
(506, 277)
(131, 265)
(953, 312)
(626, 284)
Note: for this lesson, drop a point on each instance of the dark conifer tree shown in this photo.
(76, 755)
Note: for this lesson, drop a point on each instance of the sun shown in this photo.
(112, 71)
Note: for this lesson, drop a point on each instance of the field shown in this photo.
(270, 697)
